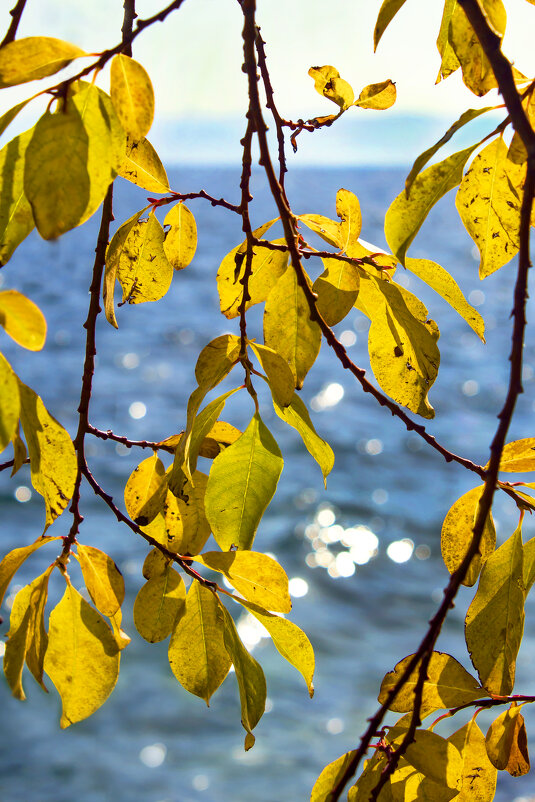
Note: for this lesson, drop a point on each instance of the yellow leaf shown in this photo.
(16, 218)
(20, 453)
(35, 57)
(184, 526)
(517, 152)
(495, 620)
(296, 415)
(250, 677)
(10, 115)
(180, 241)
(22, 320)
(114, 253)
(478, 75)
(132, 95)
(279, 375)
(440, 280)
(348, 210)
(488, 202)
(328, 83)
(82, 658)
(456, 536)
(360, 792)
(121, 638)
(337, 289)
(518, 456)
(143, 270)
(158, 605)
(267, 266)
(142, 166)
(258, 578)
(242, 482)
(431, 755)
(14, 559)
(387, 12)
(448, 684)
(330, 776)
(9, 403)
(52, 457)
(377, 96)
(450, 62)
(529, 565)
(155, 564)
(327, 229)
(406, 215)
(288, 328)
(197, 652)
(102, 578)
(145, 491)
(478, 777)
(507, 743)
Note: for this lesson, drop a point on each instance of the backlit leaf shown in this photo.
(158, 604)
(405, 216)
(478, 75)
(143, 270)
(20, 454)
(132, 95)
(360, 792)
(440, 280)
(22, 320)
(495, 620)
(448, 685)
(16, 218)
(197, 652)
(180, 241)
(258, 578)
(114, 254)
(82, 658)
(377, 96)
(241, 484)
(407, 783)
(456, 536)
(145, 490)
(288, 328)
(250, 677)
(280, 377)
(102, 578)
(478, 777)
(10, 115)
(14, 559)
(330, 776)
(9, 403)
(121, 638)
(267, 267)
(488, 202)
(337, 289)
(327, 229)
(529, 565)
(387, 12)
(507, 743)
(348, 210)
(328, 83)
(52, 456)
(433, 756)
(35, 57)
(518, 456)
(155, 564)
(216, 360)
(142, 166)
(296, 415)
(450, 62)
(184, 523)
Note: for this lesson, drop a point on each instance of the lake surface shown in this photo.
(152, 741)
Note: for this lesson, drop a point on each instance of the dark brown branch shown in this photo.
(117, 438)
(16, 14)
(182, 196)
(9, 464)
(486, 703)
(270, 103)
(128, 25)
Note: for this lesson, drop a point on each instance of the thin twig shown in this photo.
(270, 103)
(125, 441)
(16, 14)
(128, 25)
(182, 196)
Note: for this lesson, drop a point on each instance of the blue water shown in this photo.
(384, 478)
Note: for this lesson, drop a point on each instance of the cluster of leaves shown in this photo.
(54, 177)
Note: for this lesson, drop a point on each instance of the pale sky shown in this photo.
(194, 58)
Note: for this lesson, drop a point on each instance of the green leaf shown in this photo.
(518, 456)
(52, 457)
(279, 375)
(14, 559)
(142, 166)
(488, 202)
(241, 484)
(456, 536)
(327, 229)
(9, 403)
(337, 289)
(180, 241)
(290, 641)
(450, 62)
(440, 280)
(27, 638)
(448, 685)
(495, 620)
(405, 216)
(22, 320)
(478, 777)
(34, 57)
(296, 415)
(267, 267)
(143, 270)
(197, 652)
(114, 254)
(16, 218)
(423, 158)
(132, 96)
(288, 328)
(259, 578)
(507, 743)
(478, 75)
(250, 677)
(158, 605)
(82, 658)
(387, 12)
(328, 83)
(102, 578)
(433, 756)
(146, 490)
(377, 96)
(330, 776)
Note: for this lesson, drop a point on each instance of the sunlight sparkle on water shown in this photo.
(400, 550)
(325, 516)
(298, 587)
(23, 494)
(137, 410)
(153, 755)
(335, 726)
(329, 396)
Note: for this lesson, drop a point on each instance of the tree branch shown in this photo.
(16, 14)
